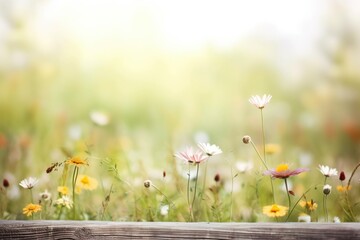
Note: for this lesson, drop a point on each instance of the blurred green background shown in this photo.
(172, 73)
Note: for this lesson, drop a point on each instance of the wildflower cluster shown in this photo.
(199, 183)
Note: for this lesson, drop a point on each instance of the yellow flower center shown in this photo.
(85, 180)
(274, 209)
(32, 207)
(282, 167)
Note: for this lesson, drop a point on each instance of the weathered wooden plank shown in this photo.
(175, 230)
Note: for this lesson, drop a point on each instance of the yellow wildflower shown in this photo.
(272, 148)
(31, 208)
(77, 161)
(87, 183)
(63, 190)
(343, 188)
(275, 210)
(310, 205)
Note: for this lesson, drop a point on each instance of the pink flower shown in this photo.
(283, 171)
(190, 156)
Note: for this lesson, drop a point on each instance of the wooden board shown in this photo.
(175, 230)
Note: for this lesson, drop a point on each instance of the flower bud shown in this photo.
(217, 177)
(342, 176)
(6, 183)
(147, 183)
(246, 139)
(327, 189)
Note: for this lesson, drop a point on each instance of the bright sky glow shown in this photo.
(180, 24)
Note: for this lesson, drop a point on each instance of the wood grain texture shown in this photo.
(175, 230)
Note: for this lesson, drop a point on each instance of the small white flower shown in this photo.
(337, 220)
(209, 149)
(260, 102)
(75, 132)
(164, 210)
(201, 136)
(304, 218)
(29, 183)
(243, 167)
(64, 201)
(327, 171)
(327, 189)
(45, 195)
(99, 118)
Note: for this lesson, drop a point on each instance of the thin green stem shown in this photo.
(204, 182)
(263, 134)
(263, 160)
(188, 193)
(204, 187)
(196, 179)
(324, 202)
(288, 194)
(60, 212)
(296, 203)
(352, 216)
(253, 145)
(347, 193)
(31, 196)
(231, 194)
(167, 199)
(75, 175)
(325, 208)
(352, 174)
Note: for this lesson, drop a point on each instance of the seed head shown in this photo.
(147, 183)
(246, 139)
(327, 189)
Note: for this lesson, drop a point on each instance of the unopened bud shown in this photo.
(217, 177)
(6, 183)
(147, 183)
(327, 189)
(246, 139)
(164, 174)
(342, 176)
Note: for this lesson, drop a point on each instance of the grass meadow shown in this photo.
(102, 129)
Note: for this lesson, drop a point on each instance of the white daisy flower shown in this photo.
(327, 171)
(64, 201)
(243, 167)
(209, 149)
(29, 183)
(99, 118)
(337, 220)
(164, 210)
(260, 102)
(45, 195)
(304, 218)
